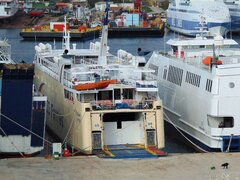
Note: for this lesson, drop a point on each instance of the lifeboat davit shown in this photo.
(208, 60)
(96, 85)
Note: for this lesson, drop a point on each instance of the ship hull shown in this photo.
(58, 35)
(113, 33)
(22, 114)
(193, 110)
(86, 128)
(189, 19)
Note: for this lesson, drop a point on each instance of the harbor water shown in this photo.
(24, 51)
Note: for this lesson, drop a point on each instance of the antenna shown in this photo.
(102, 58)
(214, 58)
(66, 36)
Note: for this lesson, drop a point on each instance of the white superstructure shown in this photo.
(96, 99)
(199, 81)
(8, 8)
(184, 16)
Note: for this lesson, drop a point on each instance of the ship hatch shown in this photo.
(123, 128)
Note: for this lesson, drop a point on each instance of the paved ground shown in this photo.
(178, 166)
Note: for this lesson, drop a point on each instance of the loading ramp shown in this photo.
(129, 151)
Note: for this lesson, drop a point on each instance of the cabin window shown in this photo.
(127, 94)
(155, 68)
(175, 75)
(67, 66)
(193, 79)
(68, 95)
(85, 97)
(174, 49)
(165, 74)
(141, 64)
(104, 95)
(209, 85)
(117, 94)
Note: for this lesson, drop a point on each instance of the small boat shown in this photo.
(96, 85)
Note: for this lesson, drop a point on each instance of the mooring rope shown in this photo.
(203, 150)
(25, 128)
(12, 142)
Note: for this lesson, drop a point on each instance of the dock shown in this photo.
(197, 166)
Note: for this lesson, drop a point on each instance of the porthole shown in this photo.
(231, 85)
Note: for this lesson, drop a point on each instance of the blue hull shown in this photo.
(235, 23)
(21, 115)
(235, 142)
(192, 27)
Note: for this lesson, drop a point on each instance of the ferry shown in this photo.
(22, 124)
(8, 8)
(234, 10)
(199, 84)
(98, 101)
(183, 16)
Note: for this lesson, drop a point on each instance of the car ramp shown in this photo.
(129, 151)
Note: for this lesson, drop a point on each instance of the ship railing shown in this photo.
(88, 61)
(146, 84)
(140, 84)
(50, 72)
(122, 104)
(50, 65)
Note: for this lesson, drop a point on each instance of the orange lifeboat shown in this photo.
(207, 61)
(97, 85)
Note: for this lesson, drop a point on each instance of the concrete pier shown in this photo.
(197, 166)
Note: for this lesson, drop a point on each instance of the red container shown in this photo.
(36, 14)
(145, 24)
(66, 153)
(60, 27)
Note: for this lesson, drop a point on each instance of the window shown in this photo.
(193, 79)
(165, 74)
(175, 75)
(117, 94)
(209, 85)
(68, 95)
(155, 68)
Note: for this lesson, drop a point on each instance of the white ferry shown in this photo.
(183, 16)
(22, 123)
(8, 8)
(234, 10)
(97, 100)
(199, 85)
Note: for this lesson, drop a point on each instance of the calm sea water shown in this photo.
(24, 50)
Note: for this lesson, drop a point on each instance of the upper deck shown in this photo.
(81, 66)
(195, 51)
